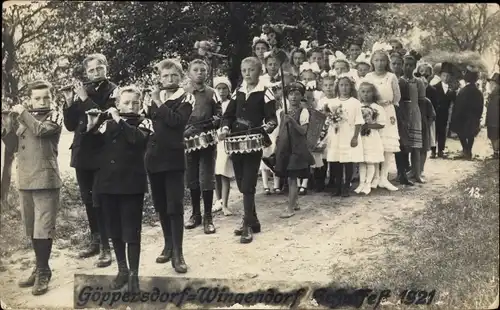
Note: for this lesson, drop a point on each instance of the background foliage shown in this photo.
(134, 35)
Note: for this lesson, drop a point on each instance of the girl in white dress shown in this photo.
(328, 90)
(373, 149)
(388, 87)
(223, 165)
(345, 145)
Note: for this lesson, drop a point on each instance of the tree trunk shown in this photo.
(238, 33)
(11, 85)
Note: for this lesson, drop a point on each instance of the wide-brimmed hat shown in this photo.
(447, 67)
(494, 77)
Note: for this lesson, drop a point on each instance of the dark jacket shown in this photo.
(121, 164)
(243, 113)
(467, 111)
(493, 106)
(443, 102)
(165, 150)
(85, 149)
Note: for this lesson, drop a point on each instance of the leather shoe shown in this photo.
(165, 256)
(246, 234)
(193, 222)
(255, 229)
(208, 225)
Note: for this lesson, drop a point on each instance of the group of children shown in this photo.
(375, 109)
(369, 106)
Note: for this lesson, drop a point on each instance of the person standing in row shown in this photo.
(412, 110)
(170, 110)
(121, 180)
(387, 85)
(200, 164)
(402, 157)
(39, 181)
(251, 105)
(86, 149)
(445, 97)
(467, 112)
(224, 171)
(492, 113)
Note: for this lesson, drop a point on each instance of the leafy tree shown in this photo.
(455, 27)
(143, 33)
(33, 36)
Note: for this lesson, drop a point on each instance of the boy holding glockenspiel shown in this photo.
(200, 164)
(252, 106)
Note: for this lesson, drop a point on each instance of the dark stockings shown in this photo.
(133, 253)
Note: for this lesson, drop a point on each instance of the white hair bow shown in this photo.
(363, 58)
(331, 73)
(305, 66)
(267, 54)
(379, 46)
(222, 80)
(304, 45)
(347, 75)
(262, 37)
(339, 56)
(310, 86)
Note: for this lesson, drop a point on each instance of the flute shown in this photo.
(128, 115)
(85, 83)
(40, 110)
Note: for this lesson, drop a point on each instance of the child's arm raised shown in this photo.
(177, 117)
(47, 127)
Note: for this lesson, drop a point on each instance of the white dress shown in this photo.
(339, 145)
(373, 149)
(388, 89)
(223, 164)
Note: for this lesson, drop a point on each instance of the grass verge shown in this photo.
(451, 246)
(71, 225)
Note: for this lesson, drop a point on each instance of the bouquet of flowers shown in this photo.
(336, 117)
(370, 117)
(321, 145)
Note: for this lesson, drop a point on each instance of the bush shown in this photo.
(71, 225)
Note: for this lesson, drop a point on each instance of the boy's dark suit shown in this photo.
(442, 106)
(85, 153)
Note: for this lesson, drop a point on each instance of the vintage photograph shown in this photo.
(256, 155)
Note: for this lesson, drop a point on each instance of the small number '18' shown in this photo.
(474, 192)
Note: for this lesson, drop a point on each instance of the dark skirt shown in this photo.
(123, 216)
(493, 132)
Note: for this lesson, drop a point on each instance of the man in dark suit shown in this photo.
(85, 149)
(467, 112)
(444, 97)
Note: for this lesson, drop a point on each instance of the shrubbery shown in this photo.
(71, 225)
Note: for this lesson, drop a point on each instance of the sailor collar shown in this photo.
(244, 88)
(163, 95)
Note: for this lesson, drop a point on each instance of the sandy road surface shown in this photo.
(326, 232)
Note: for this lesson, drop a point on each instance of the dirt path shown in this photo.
(327, 232)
